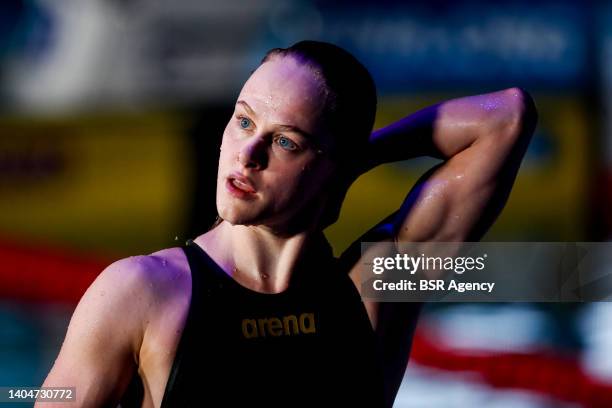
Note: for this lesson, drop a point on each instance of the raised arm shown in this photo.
(99, 353)
(482, 140)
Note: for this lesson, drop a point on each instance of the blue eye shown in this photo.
(285, 143)
(245, 123)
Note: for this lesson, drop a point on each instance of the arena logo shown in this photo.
(289, 325)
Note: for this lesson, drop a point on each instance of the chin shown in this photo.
(236, 216)
(285, 219)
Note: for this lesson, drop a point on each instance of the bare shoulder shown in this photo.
(148, 288)
(165, 272)
(102, 348)
(166, 279)
(144, 280)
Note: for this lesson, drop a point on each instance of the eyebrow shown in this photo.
(285, 128)
(246, 108)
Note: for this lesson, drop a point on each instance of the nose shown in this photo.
(253, 155)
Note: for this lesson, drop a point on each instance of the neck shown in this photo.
(254, 256)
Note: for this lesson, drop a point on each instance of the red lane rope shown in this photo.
(37, 274)
(544, 371)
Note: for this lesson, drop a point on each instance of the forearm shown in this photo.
(445, 129)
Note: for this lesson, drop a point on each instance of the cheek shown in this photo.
(227, 155)
(301, 184)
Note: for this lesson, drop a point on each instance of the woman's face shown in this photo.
(273, 164)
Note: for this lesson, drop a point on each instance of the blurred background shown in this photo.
(111, 113)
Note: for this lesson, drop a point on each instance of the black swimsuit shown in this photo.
(311, 345)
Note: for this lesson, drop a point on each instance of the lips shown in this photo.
(240, 186)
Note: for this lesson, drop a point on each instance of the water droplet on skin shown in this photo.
(433, 190)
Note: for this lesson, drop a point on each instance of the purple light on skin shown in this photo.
(492, 104)
(420, 120)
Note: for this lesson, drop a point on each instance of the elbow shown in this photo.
(522, 115)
